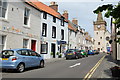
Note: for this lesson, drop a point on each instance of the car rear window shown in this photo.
(7, 53)
(70, 50)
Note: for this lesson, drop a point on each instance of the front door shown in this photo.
(53, 49)
(33, 45)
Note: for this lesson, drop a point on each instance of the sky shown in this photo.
(82, 10)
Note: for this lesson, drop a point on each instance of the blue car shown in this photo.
(19, 59)
(90, 52)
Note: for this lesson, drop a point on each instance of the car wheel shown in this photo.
(81, 56)
(3, 70)
(76, 57)
(20, 67)
(66, 58)
(86, 55)
(41, 64)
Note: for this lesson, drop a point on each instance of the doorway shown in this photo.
(53, 49)
(33, 45)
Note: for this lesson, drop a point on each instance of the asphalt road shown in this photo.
(76, 68)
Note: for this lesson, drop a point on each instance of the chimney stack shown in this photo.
(54, 6)
(75, 21)
(65, 14)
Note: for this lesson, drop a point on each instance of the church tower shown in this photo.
(99, 33)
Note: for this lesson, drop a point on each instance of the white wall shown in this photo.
(72, 40)
(14, 19)
(49, 39)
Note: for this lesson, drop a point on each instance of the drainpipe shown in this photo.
(68, 39)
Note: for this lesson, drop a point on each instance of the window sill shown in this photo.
(44, 36)
(54, 37)
(26, 26)
(3, 19)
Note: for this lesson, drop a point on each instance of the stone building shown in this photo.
(101, 34)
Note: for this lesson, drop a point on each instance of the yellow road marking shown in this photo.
(90, 73)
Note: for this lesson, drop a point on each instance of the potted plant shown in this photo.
(115, 71)
(60, 55)
(57, 53)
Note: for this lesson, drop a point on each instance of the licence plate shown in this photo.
(4, 58)
(70, 54)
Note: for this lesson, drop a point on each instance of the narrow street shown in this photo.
(76, 68)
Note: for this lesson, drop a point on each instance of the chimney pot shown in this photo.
(65, 14)
(75, 21)
(54, 6)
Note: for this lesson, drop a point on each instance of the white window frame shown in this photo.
(26, 44)
(2, 41)
(3, 7)
(26, 16)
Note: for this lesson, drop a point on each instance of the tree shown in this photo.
(113, 11)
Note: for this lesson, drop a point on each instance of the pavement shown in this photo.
(103, 71)
(53, 60)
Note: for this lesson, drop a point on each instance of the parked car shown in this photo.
(83, 53)
(96, 51)
(19, 59)
(91, 52)
(72, 53)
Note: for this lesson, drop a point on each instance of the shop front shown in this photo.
(62, 46)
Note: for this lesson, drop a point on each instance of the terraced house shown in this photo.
(54, 30)
(32, 25)
(20, 25)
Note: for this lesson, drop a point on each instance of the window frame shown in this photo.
(53, 31)
(62, 21)
(98, 43)
(62, 34)
(3, 41)
(3, 7)
(27, 43)
(44, 28)
(26, 16)
(54, 19)
(97, 33)
(44, 15)
(46, 46)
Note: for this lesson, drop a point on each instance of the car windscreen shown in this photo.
(6, 53)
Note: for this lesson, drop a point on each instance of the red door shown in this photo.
(33, 45)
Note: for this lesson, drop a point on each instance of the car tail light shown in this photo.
(74, 52)
(14, 58)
